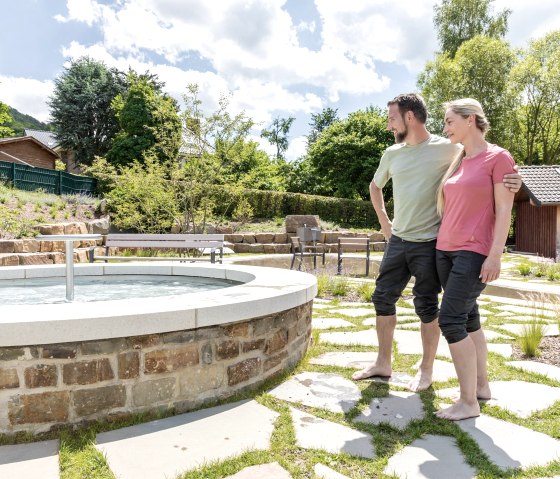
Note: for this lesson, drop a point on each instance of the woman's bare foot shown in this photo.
(459, 410)
(373, 370)
(422, 380)
(483, 392)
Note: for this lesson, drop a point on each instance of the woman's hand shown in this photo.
(490, 270)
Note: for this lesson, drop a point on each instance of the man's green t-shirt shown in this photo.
(416, 171)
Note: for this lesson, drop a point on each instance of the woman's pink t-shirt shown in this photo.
(469, 213)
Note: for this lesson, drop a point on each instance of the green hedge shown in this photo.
(271, 204)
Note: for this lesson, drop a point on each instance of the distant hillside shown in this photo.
(21, 121)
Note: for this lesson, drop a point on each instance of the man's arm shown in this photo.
(513, 181)
(376, 195)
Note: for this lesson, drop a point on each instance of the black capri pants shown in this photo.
(459, 273)
(401, 260)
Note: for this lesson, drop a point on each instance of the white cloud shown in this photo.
(297, 148)
(86, 11)
(26, 95)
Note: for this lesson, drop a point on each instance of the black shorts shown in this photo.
(402, 260)
(459, 272)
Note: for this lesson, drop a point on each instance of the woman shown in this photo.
(476, 214)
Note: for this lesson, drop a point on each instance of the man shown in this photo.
(416, 164)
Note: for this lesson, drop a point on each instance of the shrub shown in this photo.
(365, 291)
(340, 286)
(531, 337)
(524, 269)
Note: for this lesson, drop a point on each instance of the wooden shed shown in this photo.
(26, 150)
(537, 221)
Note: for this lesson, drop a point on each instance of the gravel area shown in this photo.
(550, 351)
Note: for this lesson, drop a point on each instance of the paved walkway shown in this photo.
(165, 448)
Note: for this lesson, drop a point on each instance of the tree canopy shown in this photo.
(347, 153)
(277, 135)
(457, 21)
(5, 118)
(81, 110)
(149, 123)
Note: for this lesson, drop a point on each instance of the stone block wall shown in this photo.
(43, 386)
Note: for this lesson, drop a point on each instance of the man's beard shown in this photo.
(400, 136)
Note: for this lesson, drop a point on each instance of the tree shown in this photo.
(277, 135)
(347, 153)
(81, 108)
(149, 122)
(457, 21)
(320, 121)
(537, 77)
(5, 117)
(480, 69)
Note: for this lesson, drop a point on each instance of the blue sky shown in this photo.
(277, 58)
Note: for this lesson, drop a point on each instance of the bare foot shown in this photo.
(483, 392)
(372, 370)
(422, 380)
(459, 410)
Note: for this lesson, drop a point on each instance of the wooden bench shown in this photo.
(353, 244)
(182, 243)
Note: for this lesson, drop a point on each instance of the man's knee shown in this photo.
(383, 307)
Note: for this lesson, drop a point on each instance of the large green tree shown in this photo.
(480, 70)
(457, 21)
(80, 108)
(347, 153)
(5, 117)
(149, 124)
(537, 78)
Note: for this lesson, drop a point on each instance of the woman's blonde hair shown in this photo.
(463, 107)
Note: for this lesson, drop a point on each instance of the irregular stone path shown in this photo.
(168, 447)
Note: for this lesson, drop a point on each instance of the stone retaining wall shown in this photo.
(43, 386)
(32, 252)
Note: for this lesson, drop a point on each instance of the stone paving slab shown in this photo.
(443, 370)
(272, 470)
(357, 303)
(412, 326)
(508, 445)
(323, 390)
(505, 350)
(525, 319)
(485, 312)
(320, 300)
(515, 301)
(316, 433)
(518, 397)
(352, 312)
(537, 311)
(400, 319)
(398, 408)
(398, 379)
(345, 359)
(517, 329)
(549, 370)
(491, 335)
(330, 323)
(367, 337)
(430, 457)
(410, 342)
(32, 460)
(321, 306)
(325, 472)
(167, 447)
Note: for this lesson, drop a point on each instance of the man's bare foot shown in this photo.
(373, 370)
(422, 381)
(459, 410)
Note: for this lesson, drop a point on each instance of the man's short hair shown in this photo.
(411, 102)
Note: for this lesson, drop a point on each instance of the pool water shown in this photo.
(104, 288)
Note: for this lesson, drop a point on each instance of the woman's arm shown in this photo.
(503, 202)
